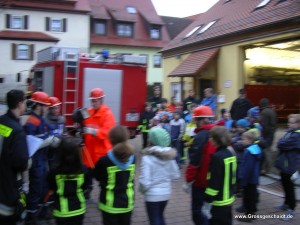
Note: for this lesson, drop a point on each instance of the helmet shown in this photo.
(54, 102)
(203, 111)
(40, 97)
(96, 93)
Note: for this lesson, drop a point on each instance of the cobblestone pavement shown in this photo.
(178, 208)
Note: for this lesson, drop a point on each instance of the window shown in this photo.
(157, 61)
(155, 33)
(192, 31)
(131, 9)
(263, 3)
(22, 52)
(56, 25)
(205, 28)
(124, 30)
(16, 22)
(100, 27)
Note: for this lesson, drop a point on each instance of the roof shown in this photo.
(143, 18)
(194, 63)
(175, 25)
(27, 36)
(78, 6)
(237, 16)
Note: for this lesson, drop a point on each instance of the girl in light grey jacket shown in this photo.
(158, 169)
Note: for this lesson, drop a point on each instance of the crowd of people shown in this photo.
(224, 158)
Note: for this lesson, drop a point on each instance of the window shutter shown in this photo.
(31, 52)
(7, 20)
(13, 51)
(26, 22)
(47, 23)
(64, 25)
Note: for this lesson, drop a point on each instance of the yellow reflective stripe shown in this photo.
(5, 131)
(130, 190)
(227, 162)
(113, 210)
(78, 212)
(211, 191)
(111, 182)
(224, 202)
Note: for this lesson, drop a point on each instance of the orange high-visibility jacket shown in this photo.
(98, 146)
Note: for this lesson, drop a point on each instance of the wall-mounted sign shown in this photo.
(227, 84)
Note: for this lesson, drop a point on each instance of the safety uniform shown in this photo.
(144, 122)
(102, 120)
(13, 160)
(36, 126)
(68, 191)
(221, 183)
(117, 187)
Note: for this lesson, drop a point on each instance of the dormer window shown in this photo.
(263, 3)
(192, 32)
(205, 28)
(125, 29)
(155, 32)
(131, 10)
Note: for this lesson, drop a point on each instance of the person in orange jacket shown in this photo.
(95, 131)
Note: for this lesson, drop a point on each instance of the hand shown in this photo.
(187, 186)
(206, 208)
(295, 178)
(89, 130)
(55, 142)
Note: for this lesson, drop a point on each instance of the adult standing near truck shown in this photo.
(156, 100)
(95, 131)
(13, 156)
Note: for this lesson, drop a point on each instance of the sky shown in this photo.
(182, 8)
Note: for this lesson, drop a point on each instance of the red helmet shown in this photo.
(40, 97)
(96, 93)
(203, 111)
(54, 102)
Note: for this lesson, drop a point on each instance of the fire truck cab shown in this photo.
(69, 76)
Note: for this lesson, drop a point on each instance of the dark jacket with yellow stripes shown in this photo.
(68, 190)
(222, 178)
(13, 160)
(117, 184)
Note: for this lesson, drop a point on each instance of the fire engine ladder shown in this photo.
(70, 87)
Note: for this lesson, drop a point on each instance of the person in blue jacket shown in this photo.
(288, 163)
(210, 100)
(249, 174)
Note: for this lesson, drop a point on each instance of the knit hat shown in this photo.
(223, 111)
(253, 112)
(243, 123)
(159, 137)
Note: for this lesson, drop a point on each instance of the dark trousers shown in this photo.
(8, 220)
(37, 183)
(197, 202)
(289, 190)
(221, 215)
(74, 220)
(116, 219)
(250, 198)
(145, 139)
(155, 212)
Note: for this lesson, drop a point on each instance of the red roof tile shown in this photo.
(117, 10)
(194, 63)
(27, 35)
(237, 16)
(61, 5)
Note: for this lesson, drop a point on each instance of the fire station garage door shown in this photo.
(110, 81)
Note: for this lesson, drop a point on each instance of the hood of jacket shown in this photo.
(121, 165)
(162, 153)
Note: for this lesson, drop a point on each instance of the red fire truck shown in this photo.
(64, 73)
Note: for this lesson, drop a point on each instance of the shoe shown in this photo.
(240, 209)
(289, 215)
(282, 207)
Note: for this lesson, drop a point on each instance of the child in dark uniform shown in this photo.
(68, 182)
